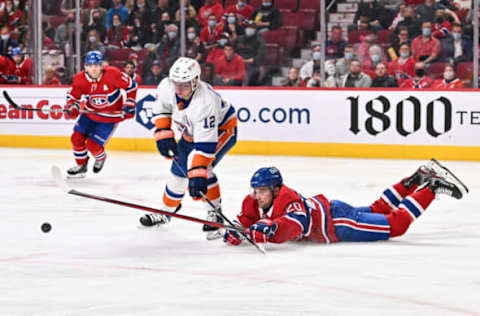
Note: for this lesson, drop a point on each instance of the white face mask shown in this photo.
(172, 35)
(92, 39)
(5, 37)
(448, 75)
(191, 36)
(16, 3)
(116, 24)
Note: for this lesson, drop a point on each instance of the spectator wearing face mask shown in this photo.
(169, 48)
(420, 79)
(449, 81)
(251, 47)
(136, 34)
(63, 31)
(376, 57)
(189, 10)
(96, 22)
(442, 26)
(156, 31)
(217, 51)
(6, 42)
(230, 68)
(267, 17)
(92, 42)
(332, 79)
(355, 78)
(293, 78)
(209, 7)
(396, 40)
(194, 46)
(425, 46)
(306, 71)
(335, 45)
(143, 11)
(232, 27)
(342, 66)
(210, 34)
(117, 34)
(94, 14)
(117, 9)
(316, 80)
(456, 47)
(242, 10)
(382, 79)
(403, 67)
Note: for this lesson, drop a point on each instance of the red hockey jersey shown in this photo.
(103, 95)
(297, 217)
(23, 71)
(425, 82)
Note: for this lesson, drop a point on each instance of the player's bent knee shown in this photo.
(399, 221)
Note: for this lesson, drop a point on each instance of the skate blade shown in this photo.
(448, 175)
(154, 227)
(216, 234)
(77, 176)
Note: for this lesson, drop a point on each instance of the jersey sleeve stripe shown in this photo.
(133, 86)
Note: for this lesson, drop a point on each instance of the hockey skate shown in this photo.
(98, 165)
(212, 231)
(446, 182)
(421, 176)
(77, 171)
(156, 219)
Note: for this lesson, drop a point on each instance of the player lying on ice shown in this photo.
(105, 106)
(275, 213)
(208, 127)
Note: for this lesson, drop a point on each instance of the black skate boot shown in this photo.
(98, 165)
(156, 219)
(421, 176)
(77, 171)
(212, 231)
(439, 185)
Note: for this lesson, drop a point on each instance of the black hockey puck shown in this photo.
(46, 227)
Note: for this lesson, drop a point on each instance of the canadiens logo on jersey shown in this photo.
(99, 100)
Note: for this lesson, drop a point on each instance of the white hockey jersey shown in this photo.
(199, 120)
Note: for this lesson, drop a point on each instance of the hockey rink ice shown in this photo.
(97, 261)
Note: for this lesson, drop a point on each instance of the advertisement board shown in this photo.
(325, 122)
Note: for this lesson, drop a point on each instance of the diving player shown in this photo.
(208, 127)
(104, 109)
(275, 213)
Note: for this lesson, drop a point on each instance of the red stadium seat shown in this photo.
(256, 3)
(275, 36)
(462, 14)
(383, 36)
(117, 63)
(292, 19)
(286, 4)
(465, 70)
(272, 55)
(310, 4)
(435, 71)
(354, 36)
(291, 36)
(310, 19)
(119, 54)
(55, 21)
(142, 54)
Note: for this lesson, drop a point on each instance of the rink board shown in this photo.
(320, 122)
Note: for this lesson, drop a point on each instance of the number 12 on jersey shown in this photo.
(209, 122)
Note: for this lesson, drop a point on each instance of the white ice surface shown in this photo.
(96, 261)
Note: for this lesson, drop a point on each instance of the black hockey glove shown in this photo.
(166, 144)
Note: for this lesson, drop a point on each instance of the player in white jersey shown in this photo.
(208, 128)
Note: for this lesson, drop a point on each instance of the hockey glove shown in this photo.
(166, 144)
(262, 230)
(129, 110)
(73, 110)
(197, 182)
(232, 237)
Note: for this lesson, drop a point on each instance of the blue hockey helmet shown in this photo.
(94, 57)
(266, 177)
(16, 51)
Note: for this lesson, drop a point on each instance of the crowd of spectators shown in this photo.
(390, 43)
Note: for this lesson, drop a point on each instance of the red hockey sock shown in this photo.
(96, 149)
(410, 208)
(391, 198)
(79, 149)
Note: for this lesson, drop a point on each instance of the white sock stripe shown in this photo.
(414, 202)
(397, 195)
(408, 211)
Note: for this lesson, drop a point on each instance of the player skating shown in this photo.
(208, 127)
(275, 213)
(101, 87)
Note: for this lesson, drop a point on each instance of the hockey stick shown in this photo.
(57, 176)
(219, 212)
(16, 106)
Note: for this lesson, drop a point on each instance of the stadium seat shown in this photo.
(465, 70)
(292, 19)
(354, 36)
(275, 37)
(256, 3)
(435, 70)
(55, 21)
(462, 14)
(291, 36)
(310, 19)
(286, 4)
(272, 54)
(119, 54)
(117, 63)
(309, 4)
(383, 36)
(142, 54)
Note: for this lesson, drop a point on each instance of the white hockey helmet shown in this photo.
(185, 69)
